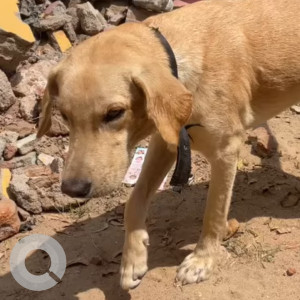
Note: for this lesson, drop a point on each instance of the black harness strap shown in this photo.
(182, 170)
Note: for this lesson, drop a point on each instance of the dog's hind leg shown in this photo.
(198, 265)
(158, 162)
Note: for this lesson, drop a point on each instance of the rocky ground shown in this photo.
(261, 261)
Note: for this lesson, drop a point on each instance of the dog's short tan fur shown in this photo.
(239, 64)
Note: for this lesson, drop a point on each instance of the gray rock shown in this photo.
(55, 17)
(26, 144)
(53, 23)
(72, 11)
(9, 136)
(25, 197)
(20, 162)
(47, 52)
(28, 108)
(26, 7)
(155, 5)
(13, 49)
(70, 32)
(115, 14)
(91, 20)
(7, 97)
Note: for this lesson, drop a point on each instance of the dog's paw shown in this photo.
(196, 267)
(134, 259)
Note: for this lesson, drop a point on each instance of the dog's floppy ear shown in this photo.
(169, 103)
(50, 93)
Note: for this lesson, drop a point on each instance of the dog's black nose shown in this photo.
(76, 187)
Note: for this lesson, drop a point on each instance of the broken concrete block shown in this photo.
(115, 14)
(19, 162)
(155, 5)
(7, 97)
(9, 136)
(10, 151)
(32, 79)
(54, 17)
(53, 23)
(9, 219)
(91, 20)
(72, 11)
(60, 40)
(45, 159)
(70, 33)
(28, 108)
(5, 177)
(26, 144)
(16, 37)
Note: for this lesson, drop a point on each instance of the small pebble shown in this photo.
(291, 271)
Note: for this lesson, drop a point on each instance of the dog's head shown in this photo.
(112, 92)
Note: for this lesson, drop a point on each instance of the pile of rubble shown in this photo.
(34, 36)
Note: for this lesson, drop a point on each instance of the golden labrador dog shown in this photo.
(238, 64)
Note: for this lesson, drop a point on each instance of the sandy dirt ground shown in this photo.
(252, 265)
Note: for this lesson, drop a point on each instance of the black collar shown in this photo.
(182, 170)
(169, 51)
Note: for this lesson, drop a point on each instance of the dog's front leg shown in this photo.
(158, 161)
(198, 265)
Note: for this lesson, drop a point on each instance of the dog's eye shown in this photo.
(113, 115)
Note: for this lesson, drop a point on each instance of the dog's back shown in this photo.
(251, 43)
